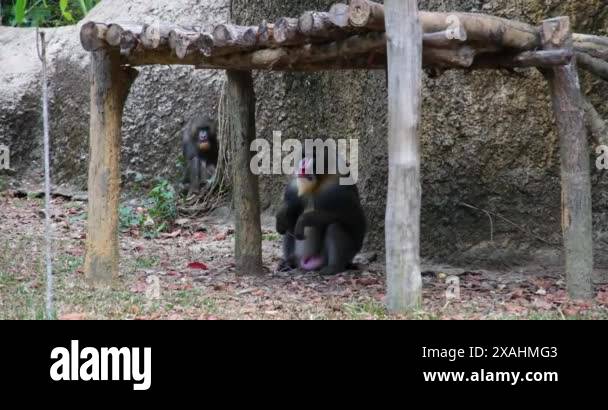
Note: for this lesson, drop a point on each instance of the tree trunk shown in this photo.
(402, 225)
(110, 86)
(241, 109)
(575, 167)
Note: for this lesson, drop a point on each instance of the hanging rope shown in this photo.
(41, 50)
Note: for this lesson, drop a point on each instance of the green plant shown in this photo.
(129, 218)
(147, 262)
(44, 13)
(156, 216)
(163, 207)
(65, 12)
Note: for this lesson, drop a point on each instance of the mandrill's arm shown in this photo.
(290, 211)
(317, 219)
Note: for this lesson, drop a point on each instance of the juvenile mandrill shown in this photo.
(200, 147)
(321, 220)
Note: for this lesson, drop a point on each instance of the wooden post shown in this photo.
(575, 168)
(402, 225)
(240, 105)
(110, 84)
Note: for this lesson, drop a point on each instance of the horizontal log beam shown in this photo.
(338, 14)
(540, 59)
(593, 65)
(477, 27)
(596, 124)
(183, 42)
(286, 31)
(93, 36)
(368, 14)
(255, 47)
(319, 25)
(154, 36)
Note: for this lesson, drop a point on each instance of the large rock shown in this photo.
(161, 100)
(488, 140)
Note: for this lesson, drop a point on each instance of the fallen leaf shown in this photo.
(220, 237)
(200, 236)
(73, 316)
(517, 293)
(602, 297)
(198, 266)
(173, 234)
(139, 287)
(219, 287)
(173, 273)
(366, 281)
(542, 304)
(572, 311)
(514, 308)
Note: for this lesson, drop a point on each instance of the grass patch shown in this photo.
(271, 237)
(366, 309)
(147, 262)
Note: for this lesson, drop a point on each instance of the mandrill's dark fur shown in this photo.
(200, 148)
(323, 224)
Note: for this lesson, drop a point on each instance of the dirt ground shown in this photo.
(189, 274)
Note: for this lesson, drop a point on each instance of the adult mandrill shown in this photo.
(200, 147)
(321, 220)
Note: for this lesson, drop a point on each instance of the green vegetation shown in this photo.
(366, 309)
(43, 13)
(163, 207)
(156, 215)
(3, 184)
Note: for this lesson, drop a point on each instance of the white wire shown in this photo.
(47, 182)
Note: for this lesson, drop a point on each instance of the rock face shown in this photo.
(488, 140)
(488, 137)
(161, 100)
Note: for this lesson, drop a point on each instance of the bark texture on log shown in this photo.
(110, 84)
(575, 167)
(368, 14)
(595, 123)
(593, 65)
(240, 103)
(404, 281)
(338, 15)
(92, 36)
(463, 40)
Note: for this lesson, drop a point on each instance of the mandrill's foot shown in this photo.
(211, 181)
(331, 270)
(311, 263)
(285, 266)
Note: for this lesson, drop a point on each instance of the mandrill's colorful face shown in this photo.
(203, 140)
(306, 178)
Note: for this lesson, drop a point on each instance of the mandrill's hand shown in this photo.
(303, 222)
(282, 221)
